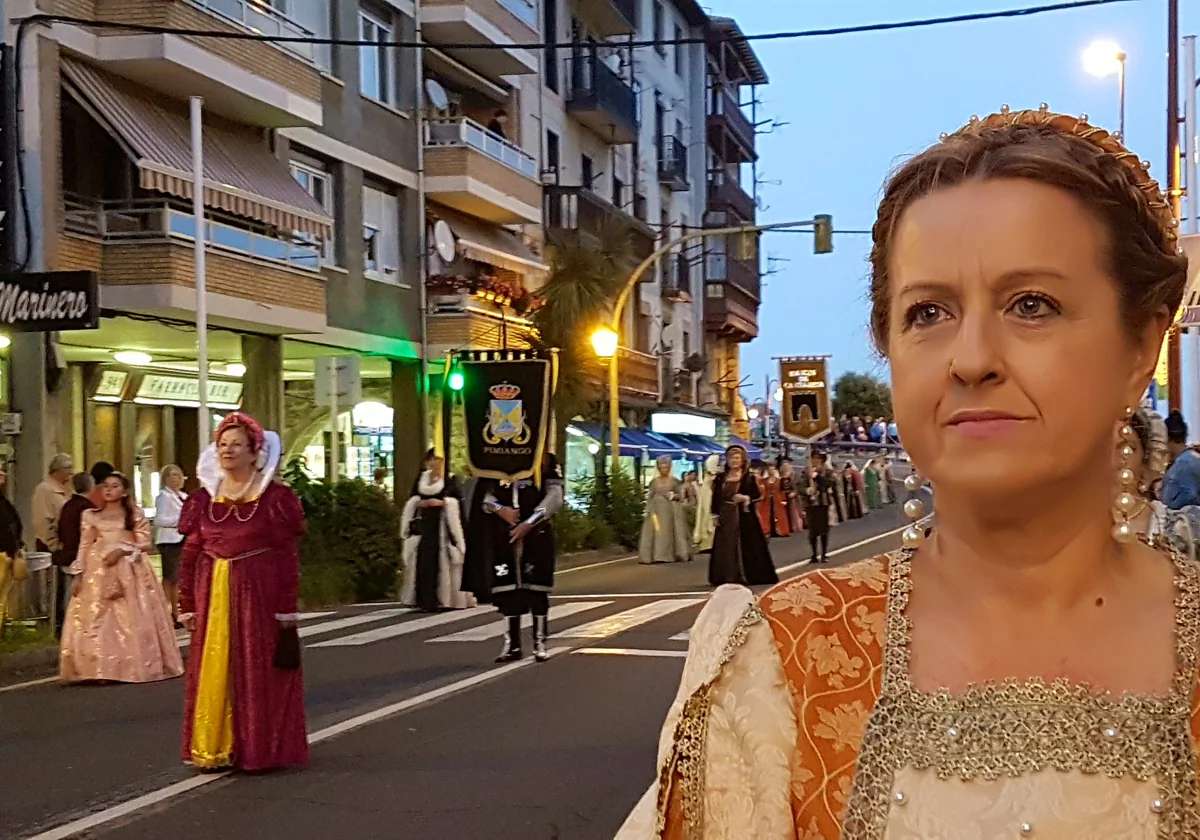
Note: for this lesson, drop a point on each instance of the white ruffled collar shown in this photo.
(208, 468)
(426, 486)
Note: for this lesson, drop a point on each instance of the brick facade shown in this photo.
(463, 160)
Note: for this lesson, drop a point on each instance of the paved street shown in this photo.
(416, 733)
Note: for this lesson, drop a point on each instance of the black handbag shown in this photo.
(414, 527)
(287, 649)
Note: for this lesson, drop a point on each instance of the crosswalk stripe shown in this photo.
(416, 625)
(324, 626)
(685, 636)
(627, 620)
(497, 628)
(313, 616)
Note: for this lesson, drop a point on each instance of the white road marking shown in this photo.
(497, 628)
(29, 684)
(173, 791)
(661, 654)
(315, 615)
(685, 636)
(594, 565)
(627, 620)
(324, 627)
(416, 625)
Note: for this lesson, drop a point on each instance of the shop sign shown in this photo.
(506, 405)
(682, 423)
(112, 384)
(807, 409)
(181, 389)
(348, 372)
(49, 301)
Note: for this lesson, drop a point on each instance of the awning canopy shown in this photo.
(491, 244)
(241, 176)
(694, 446)
(634, 443)
(755, 452)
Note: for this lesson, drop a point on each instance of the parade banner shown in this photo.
(506, 405)
(807, 409)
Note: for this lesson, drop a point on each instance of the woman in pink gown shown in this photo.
(238, 582)
(118, 627)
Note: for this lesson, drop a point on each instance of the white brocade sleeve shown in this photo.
(727, 745)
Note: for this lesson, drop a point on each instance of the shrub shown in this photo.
(573, 530)
(626, 509)
(352, 547)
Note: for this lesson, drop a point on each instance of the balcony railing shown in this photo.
(726, 192)
(522, 9)
(466, 132)
(597, 89)
(677, 278)
(263, 19)
(723, 268)
(724, 104)
(158, 220)
(672, 162)
(580, 209)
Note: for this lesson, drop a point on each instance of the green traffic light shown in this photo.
(456, 381)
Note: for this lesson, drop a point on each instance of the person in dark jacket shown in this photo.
(70, 528)
(10, 521)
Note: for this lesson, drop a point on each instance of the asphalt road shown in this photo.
(416, 733)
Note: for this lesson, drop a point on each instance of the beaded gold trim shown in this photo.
(1014, 728)
(689, 753)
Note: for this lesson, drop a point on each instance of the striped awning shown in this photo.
(488, 243)
(241, 176)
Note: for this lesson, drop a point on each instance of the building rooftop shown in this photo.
(726, 29)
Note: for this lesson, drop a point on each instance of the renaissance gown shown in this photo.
(239, 575)
(664, 530)
(740, 553)
(118, 628)
(705, 528)
(433, 549)
(772, 508)
(796, 719)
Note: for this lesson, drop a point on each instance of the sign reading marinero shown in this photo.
(49, 301)
(806, 398)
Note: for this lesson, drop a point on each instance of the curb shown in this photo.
(25, 660)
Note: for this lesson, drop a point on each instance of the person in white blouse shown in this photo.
(167, 509)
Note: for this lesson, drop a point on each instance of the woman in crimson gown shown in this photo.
(237, 596)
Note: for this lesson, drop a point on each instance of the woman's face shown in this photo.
(664, 468)
(437, 467)
(233, 449)
(734, 459)
(1006, 341)
(175, 479)
(113, 489)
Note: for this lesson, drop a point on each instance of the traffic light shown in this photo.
(456, 380)
(823, 234)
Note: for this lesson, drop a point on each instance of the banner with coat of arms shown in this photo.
(807, 408)
(506, 404)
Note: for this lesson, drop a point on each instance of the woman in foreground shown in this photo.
(238, 584)
(1028, 669)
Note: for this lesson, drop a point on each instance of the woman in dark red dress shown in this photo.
(238, 584)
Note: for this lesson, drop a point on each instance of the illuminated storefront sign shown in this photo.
(180, 390)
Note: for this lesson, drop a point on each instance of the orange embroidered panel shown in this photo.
(830, 626)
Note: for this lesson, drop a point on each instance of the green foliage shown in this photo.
(626, 509)
(351, 550)
(573, 530)
(861, 395)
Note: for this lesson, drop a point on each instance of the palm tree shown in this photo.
(585, 279)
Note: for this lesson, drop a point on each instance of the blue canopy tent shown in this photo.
(695, 447)
(755, 452)
(634, 443)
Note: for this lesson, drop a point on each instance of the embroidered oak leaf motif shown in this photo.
(827, 655)
(801, 776)
(842, 791)
(844, 726)
(810, 833)
(870, 574)
(800, 597)
(871, 624)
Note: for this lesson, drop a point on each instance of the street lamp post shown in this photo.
(607, 339)
(1104, 58)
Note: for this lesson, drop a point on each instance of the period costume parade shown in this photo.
(118, 626)
(238, 581)
(517, 576)
(772, 507)
(433, 547)
(740, 553)
(705, 527)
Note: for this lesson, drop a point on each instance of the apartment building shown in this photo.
(313, 215)
(732, 278)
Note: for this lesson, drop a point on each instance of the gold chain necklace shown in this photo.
(234, 506)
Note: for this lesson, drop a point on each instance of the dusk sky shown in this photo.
(858, 104)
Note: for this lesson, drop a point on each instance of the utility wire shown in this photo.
(626, 44)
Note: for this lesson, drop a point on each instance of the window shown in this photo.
(553, 160)
(586, 175)
(381, 236)
(680, 52)
(376, 64)
(319, 184)
(618, 187)
(550, 27)
(660, 28)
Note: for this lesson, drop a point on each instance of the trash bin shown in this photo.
(34, 596)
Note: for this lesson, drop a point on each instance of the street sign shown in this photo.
(349, 380)
(49, 301)
(807, 408)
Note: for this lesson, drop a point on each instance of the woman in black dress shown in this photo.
(740, 553)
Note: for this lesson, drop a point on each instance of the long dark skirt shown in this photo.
(521, 601)
(429, 560)
(740, 553)
(818, 520)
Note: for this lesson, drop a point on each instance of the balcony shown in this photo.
(727, 119)
(672, 164)
(676, 281)
(480, 173)
(145, 247)
(250, 82)
(722, 268)
(638, 374)
(583, 212)
(726, 194)
(503, 24)
(730, 314)
(609, 18)
(601, 100)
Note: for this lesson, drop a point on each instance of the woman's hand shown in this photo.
(76, 585)
(114, 557)
(189, 623)
(433, 503)
(741, 499)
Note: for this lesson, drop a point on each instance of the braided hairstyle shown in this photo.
(1092, 165)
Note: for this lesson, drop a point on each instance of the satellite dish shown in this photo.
(435, 94)
(443, 241)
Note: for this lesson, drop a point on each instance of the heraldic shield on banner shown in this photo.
(506, 406)
(807, 407)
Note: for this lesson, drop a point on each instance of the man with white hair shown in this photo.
(48, 500)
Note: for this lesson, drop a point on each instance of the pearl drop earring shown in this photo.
(1127, 503)
(914, 509)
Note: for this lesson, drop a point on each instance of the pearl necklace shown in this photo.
(233, 502)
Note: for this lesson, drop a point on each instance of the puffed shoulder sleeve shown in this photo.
(189, 516)
(725, 751)
(289, 512)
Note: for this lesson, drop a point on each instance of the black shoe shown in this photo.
(541, 630)
(509, 654)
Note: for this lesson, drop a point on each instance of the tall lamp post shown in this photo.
(605, 341)
(1105, 58)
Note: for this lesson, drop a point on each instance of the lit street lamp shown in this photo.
(1105, 58)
